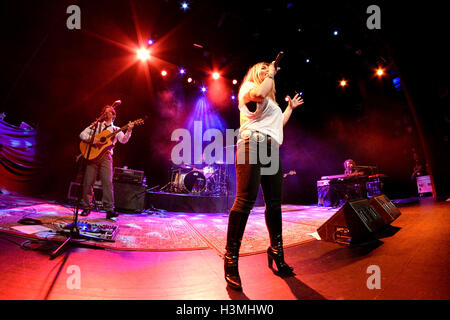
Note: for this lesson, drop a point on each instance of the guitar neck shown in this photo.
(112, 134)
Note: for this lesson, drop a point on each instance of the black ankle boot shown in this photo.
(275, 252)
(231, 265)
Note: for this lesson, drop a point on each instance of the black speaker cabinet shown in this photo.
(354, 223)
(385, 208)
(129, 197)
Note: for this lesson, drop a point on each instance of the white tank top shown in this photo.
(267, 119)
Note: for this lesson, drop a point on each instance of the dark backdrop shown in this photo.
(57, 80)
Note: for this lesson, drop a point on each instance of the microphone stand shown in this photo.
(74, 232)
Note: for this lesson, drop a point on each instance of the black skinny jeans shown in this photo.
(249, 178)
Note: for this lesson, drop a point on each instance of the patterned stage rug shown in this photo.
(299, 224)
(167, 231)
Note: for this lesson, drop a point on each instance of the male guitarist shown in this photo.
(103, 164)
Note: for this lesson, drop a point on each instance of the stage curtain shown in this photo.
(18, 160)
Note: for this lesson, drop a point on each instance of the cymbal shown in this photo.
(379, 175)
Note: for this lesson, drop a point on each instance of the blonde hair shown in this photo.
(256, 75)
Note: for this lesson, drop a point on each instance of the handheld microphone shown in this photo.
(116, 103)
(277, 60)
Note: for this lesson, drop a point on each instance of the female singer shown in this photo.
(261, 126)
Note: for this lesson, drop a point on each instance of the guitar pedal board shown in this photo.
(96, 231)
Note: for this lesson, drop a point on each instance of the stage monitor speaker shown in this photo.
(385, 208)
(355, 222)
(129, 197)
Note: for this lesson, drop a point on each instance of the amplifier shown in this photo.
(75, 190)
(129, 196)
(126, 175)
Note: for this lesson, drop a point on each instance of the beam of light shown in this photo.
(131, 63)
(139, 36)
(203, 89)
(209, 117)
(150, 42)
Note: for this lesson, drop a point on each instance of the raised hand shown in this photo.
(295, 102)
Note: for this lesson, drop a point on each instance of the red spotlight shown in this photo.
(216, 75)
(343, 83)
(380, 72)
(164, 73)
(143, 54)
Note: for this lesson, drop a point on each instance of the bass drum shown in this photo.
(193, 181)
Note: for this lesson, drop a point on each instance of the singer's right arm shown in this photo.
(259, 93)
(86, 134)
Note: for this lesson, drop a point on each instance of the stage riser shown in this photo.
(189, 203)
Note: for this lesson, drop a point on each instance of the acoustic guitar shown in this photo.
(106, 138)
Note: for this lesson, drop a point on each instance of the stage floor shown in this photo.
(413, 262)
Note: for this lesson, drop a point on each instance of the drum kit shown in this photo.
(210, 180)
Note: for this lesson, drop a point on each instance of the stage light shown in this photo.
(307, 60)
(184, 5)
(164, 73)
(335, 32)
(234, 81)
(343, 83)
(150, 42)
(189, 80)
(396, 82)
(380, 72)
(233, 97)
(182, 71)
(203, 89)
(215, 75)
(286, 99)
(143, 54)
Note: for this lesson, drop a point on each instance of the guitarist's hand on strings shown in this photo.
(130, 126)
